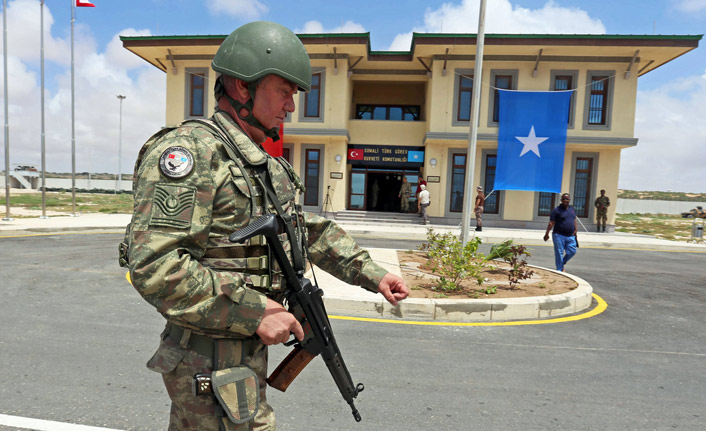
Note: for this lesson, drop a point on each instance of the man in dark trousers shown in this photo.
(563, 221)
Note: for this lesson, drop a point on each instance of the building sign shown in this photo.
(336, 175)
(381, 155)
(433, 179)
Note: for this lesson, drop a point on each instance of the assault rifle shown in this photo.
(305, 303)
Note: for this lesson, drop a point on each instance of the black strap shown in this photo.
(287, 219)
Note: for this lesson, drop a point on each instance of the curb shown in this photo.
(470, 310)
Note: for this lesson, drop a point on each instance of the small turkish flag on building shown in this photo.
(274, 149)
(84, 3)
(354, 154)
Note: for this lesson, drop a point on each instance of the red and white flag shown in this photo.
(84, 3)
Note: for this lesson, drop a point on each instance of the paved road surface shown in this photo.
(75, 339)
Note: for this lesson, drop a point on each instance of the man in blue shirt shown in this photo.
(563, 221)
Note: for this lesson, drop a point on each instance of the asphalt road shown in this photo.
(76, 336)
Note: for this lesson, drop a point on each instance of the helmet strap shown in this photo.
(249, 118)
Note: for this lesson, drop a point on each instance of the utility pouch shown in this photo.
(238, 392)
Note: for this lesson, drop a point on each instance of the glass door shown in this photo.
(357, 196)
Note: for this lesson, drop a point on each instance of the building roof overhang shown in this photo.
(640, 53)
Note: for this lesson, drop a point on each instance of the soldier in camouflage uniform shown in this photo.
(199, 182)
(404, 193)
(602, 203)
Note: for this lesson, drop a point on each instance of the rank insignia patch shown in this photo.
(176, 162)
(172, 206)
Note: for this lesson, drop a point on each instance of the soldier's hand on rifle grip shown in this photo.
(277, 323)
(393, 288)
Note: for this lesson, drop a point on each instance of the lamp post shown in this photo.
(7, 126)
(120, 144)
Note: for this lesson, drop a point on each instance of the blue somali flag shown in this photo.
(531, 140)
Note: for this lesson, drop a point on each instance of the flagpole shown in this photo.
(44, 166)
(73, 128)
(7, 123)
(475, 107)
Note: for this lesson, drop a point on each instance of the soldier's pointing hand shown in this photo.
(393, 288)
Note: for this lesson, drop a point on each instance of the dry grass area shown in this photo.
(671, 227)
(28, 203)
(423, 283)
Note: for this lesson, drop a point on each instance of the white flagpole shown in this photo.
(7, 123)
(44, 164)
(73, 129)
(475, 107)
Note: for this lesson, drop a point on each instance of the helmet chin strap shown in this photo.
(272, 133)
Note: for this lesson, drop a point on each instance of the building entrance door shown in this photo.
(377, 189)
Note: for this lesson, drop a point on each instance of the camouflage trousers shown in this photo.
(601, 218)
(190, 412)
(404, 203)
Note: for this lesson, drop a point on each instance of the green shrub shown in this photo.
(451, 261)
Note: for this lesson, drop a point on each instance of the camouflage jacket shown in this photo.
(602, 203)
(193, 187)
(405, 190)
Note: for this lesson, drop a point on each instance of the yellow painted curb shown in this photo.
(601, 307)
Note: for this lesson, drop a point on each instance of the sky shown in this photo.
(670, 118)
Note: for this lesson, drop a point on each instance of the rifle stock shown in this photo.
(289, 368)
(305, 303)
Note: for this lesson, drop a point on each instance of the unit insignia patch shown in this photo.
(176, 162)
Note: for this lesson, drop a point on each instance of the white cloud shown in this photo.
(244, 9)
(690, 6)
(317, 27)
(502, 17)
(99, 78)
(671, 152)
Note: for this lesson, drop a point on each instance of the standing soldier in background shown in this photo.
(478, 208)
(602, 203)
(196, 184)
(404, 193)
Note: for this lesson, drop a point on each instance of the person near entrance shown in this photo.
(478, 208)
(563, 222)
(420, 182)
(405, 192)
(375, 192)
(197, 183)
(602, 203)
(423, 202)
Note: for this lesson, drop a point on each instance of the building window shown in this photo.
(597, 109)
(465, 93)
(313, 97)
(582, 185)
(501, 79)
(598, 100)
(387, 112)
(491, 202)
(311, 177)
(196, 93)
(311, 103)
(564, 81)
(458, 179)
(546, 204)
(287, 154)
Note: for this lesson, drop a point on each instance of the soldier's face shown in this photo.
(273, 99)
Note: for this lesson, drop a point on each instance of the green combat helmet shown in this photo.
(258, 49)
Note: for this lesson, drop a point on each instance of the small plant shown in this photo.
(490, 290)
(451, 261)
(513, 254)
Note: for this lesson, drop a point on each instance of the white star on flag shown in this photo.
(531, 142)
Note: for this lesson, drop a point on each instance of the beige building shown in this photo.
(372, 117)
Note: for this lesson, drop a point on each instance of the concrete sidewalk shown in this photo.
(351, 300)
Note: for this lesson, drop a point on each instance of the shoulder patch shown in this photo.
(172, 206)
(176, 162)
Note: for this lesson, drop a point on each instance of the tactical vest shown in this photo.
(271, 186)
